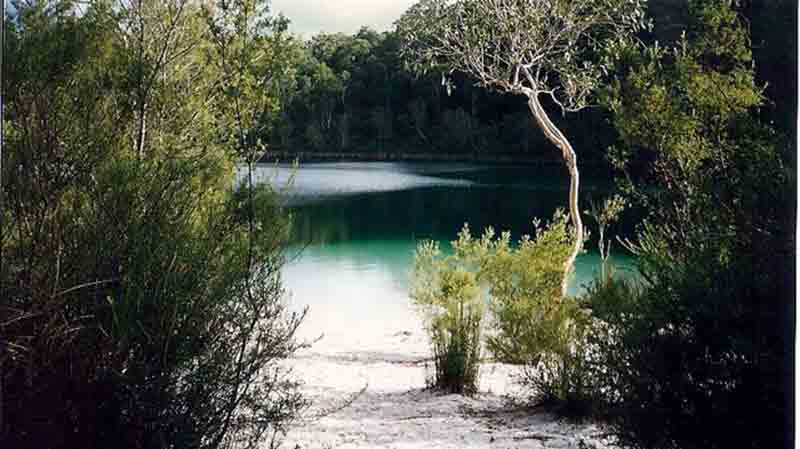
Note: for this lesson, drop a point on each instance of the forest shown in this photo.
(354, 94)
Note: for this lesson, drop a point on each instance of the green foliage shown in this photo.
(525, 287)
(704, 342)
(605, 215)
(565, 379)
(447, 291)
(697, 348)
(532, 324)
(141, 299)
(606, 303)
(353, 95)
(252, 53)
(524, 48)
(521, 284)
(338, 80)
(680, 102)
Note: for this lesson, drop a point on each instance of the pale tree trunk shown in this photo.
(141, 131)
(570, 159)
(344, 131)
(344, 123)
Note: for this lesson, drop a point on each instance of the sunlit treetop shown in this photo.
(556, 47)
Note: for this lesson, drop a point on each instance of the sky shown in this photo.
(309, 17)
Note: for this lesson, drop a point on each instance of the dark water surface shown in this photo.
(358, 223)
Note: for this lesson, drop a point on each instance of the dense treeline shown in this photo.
(354, 95)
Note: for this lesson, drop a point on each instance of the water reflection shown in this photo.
(358, 223)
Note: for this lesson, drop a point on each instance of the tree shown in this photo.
(248, 47)
(530, 48)
(141, 302)
(157, 41)
(707, 339)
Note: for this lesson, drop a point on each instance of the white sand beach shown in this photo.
(367, 384)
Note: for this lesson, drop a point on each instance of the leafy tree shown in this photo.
(529, 49)
(138, 308)
(700, 355)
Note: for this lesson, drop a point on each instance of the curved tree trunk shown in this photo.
(570, 159)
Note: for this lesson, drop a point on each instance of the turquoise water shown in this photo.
(356, 224)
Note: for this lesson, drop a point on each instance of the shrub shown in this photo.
(701, 356)
(175, 342)
(138, 308)
(563, 379)
(577, 380)
(524, 285)
(697, 347)
(531, 324)
(447, 291)
(570, 377)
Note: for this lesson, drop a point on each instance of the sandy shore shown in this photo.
(368, 383)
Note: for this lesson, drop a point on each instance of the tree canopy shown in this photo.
(553, 47)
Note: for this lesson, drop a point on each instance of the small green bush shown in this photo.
(568, 376)
(563, 378)
(447, 291)
(520, 286)
(573, 378)
(524, 285)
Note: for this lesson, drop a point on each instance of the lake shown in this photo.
(356, 226)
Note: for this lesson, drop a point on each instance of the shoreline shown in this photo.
(492, 159)
(368, 388)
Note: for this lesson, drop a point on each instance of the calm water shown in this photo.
(356, 224)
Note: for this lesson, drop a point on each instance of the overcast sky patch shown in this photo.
(310, 17)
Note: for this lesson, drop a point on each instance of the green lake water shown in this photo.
(356, 224)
